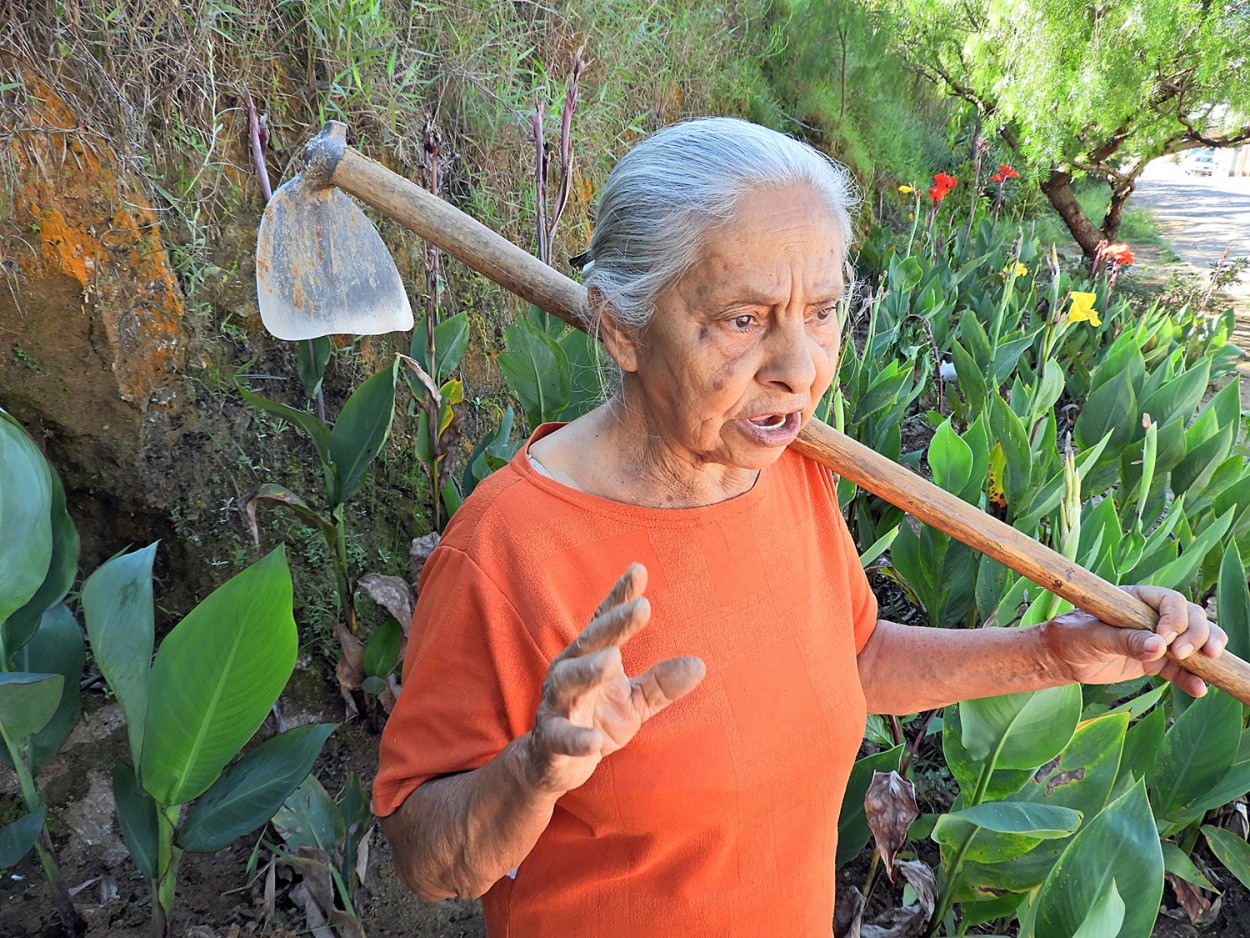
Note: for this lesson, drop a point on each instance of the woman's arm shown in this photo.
(456, 836)
(906, 669)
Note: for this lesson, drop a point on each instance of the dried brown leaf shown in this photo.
(848, 914)
(1196, 905)
(420, 552)
(890, 806)
(909, 921)
(392, 593)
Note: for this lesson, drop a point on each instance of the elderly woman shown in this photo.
(742, 633)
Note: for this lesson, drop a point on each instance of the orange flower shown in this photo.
(1004, 173)
(1120, 253)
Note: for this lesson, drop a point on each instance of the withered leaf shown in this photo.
(419, 553)
(890, 806)
(392, 593)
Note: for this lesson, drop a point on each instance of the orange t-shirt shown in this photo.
(720, 817)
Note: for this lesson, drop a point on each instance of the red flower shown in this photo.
(942, 184)
(1120, 253)
(1004, 173)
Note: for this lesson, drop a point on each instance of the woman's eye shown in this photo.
(743, 322)
(824, 314)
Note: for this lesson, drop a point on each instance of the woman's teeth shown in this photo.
(771, 422)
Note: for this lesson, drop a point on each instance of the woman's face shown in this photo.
(743, 346)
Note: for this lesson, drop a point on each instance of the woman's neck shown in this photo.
(613, 452)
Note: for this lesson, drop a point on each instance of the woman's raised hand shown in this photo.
(590, 707)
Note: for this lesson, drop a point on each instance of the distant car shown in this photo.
(1201, 165)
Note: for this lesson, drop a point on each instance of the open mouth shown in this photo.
(770, 422)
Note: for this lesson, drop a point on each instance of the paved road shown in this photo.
(1199, 216)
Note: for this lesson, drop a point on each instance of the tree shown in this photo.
(1090, 87)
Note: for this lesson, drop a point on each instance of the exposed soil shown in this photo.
(215, 897)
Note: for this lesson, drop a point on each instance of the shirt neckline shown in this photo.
(662, 517)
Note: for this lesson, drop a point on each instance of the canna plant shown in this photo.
(345, 451)
(191, 710)
(41, 646)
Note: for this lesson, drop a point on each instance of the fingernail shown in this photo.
(1184, 649)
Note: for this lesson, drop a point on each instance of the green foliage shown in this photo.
(216, 675)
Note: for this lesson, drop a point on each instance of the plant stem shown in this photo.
(43, 844)
(338, 554)
(953, 868)
(168, 858)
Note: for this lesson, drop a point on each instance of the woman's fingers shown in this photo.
(632, 584)
(667, 681)
(619, 616)
(1182, 625)
(572, 678)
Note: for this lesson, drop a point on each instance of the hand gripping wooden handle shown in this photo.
(508, 265)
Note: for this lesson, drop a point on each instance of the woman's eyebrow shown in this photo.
(729, 297)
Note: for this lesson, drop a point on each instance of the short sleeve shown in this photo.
(472, 680)
(863, 600)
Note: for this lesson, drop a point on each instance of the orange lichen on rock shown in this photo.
(93, 224)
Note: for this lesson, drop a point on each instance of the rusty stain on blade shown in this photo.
(321, 268)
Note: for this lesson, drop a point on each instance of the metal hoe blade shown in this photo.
(322, 269)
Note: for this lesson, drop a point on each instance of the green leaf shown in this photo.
(25, 506)
(950, 458)
(1081, 779)
(361, 430)
(216, 676)
(536, 370)
(1007, 430)
(1232, 603)
(1111, 408)
(382, 651)
(853, 830)
(312, 357)
(905, 274)
(316, 431)
(1142, 744)
(57, 648)
(251, 791)
(1119, 845)
(357, 816)
(62, 566)
(967, 770)
(1105, 917)
(1197, 751)
(1015, 828)
(1178, 397)
(1021, 731)
(310, 818)
(451, 338)
(17, 838)
(117, 610)
(1176, 861)
(137, 817)
(27, 702)
(1230, 850)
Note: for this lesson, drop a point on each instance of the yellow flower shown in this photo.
(1082, 308)
(906, 190)
(911, 216)
(1021, 271)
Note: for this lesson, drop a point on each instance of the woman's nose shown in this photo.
(788, 360)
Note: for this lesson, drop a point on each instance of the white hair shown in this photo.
(667, 193)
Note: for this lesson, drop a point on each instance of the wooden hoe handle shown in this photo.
(520, 272)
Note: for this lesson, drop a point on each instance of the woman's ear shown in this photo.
(621, 342)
